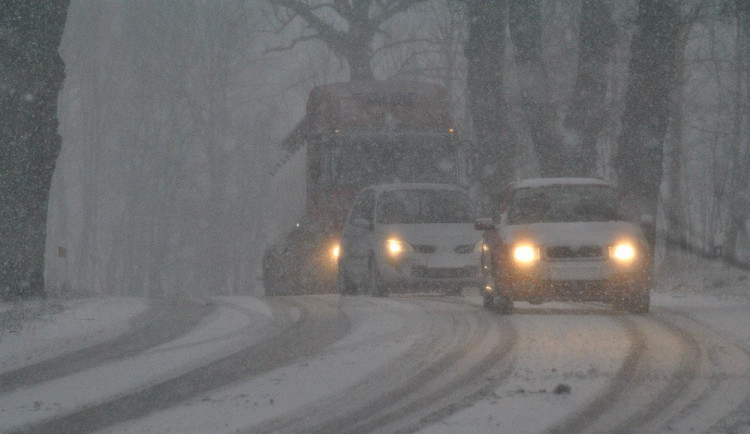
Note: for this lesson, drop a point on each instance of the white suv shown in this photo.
(409, 235)
(564, 239)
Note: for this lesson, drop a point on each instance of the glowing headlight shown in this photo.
(335, 251)
(623, 252)
(525, 254)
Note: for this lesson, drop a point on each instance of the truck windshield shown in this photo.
(557, 204)
(424, 206)
(378, 159)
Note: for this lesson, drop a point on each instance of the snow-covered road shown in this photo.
(407, 363)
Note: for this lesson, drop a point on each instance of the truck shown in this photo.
(358, 134)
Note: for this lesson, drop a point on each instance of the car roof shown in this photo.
(380, 188)
(552, 182)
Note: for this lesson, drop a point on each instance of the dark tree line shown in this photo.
(353, 44)
(564, 139)
(638, 162)
(31, 75)
(485, 52)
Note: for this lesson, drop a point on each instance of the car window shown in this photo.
(364, 206)
(573, 203)
(421, 206)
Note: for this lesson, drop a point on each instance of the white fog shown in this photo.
(179, 291)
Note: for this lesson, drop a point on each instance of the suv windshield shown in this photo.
(424, 206)
(565, 203)
(380, 159)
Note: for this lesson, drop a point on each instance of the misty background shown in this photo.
(171, 116)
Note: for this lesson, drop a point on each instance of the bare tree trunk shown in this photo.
(525, 21)
(32, 75)
(740, 182)
(638, 162)
(672, 202)
(588, 112)
(485, 52)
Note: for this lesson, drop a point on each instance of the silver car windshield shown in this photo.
(567, 203)
(424, 206)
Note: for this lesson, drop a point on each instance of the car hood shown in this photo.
(572, 234)
(442, 234)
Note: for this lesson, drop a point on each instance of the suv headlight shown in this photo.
(525, 254)
(623, 252)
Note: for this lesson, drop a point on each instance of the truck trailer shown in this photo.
(357, 134)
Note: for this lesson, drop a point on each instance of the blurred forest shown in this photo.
(172, 113)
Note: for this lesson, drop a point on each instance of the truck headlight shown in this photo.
(623, 252)
(525, 254)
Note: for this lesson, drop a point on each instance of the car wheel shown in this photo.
(488, 297)
(454, 291)
(503, 305)
(375, 285)
(273, 275)
(638, 302)
(487, 301)
(345, 285)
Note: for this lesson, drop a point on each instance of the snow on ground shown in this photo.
(282, 390)
(216, 336)
(711, 293)
(548, 381)
(34, 330)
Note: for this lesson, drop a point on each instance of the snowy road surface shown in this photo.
(406, 363)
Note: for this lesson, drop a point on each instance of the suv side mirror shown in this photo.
(484, 224)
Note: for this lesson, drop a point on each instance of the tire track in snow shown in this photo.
(319, 325)
(164, 321)
(719, 398)
(659, 369)
(448, 366)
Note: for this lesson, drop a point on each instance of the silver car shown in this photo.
(409, 236)
(564, 239)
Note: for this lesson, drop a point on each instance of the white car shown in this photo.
(564, 239)
(409, 235)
